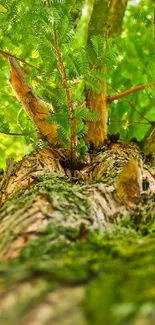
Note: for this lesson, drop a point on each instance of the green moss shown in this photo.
(66, 198)
(124, 291)
(64, 195)
(117, 271)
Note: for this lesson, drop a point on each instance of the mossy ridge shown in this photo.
(53, 185)
(70, 193)
(116, 269)
(65, 198)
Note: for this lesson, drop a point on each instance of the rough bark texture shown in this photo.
(70, 247)
(41, 193)
(34, 107)
(47, 227)
(97, 131)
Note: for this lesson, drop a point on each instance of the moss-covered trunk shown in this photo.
(71, 249)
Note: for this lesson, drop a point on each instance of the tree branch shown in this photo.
(134, 108)
(64, 82)
(32, 104)
(12, 133)
(116, 15)
(7, 55)
(128, 92)
(48, 3)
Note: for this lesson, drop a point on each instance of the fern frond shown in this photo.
(81, 129)
(93, 84)
(60, 118)
(86, 114)
(98, 44)
(81, 62)
(97, 74)
(63, 137)
(82, 148)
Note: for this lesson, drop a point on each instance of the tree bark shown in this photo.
(42, 211)
(55, 229)
(107, 21)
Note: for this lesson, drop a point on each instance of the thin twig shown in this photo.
(134, 108)
(141, 114)
(128, 92)
(12, 133)
(7, 55)
(129, 121)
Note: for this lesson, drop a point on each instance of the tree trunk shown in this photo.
(54, 234)
(106, 20)
(70, 246)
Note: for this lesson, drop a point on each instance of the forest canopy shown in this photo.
(26, 33)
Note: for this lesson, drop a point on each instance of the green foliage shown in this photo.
(134, 65)
(4, 126)
(140, 17)
(26, 30)
(77, 72)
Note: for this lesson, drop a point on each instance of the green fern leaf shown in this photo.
(98, 44)
(93, 85)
